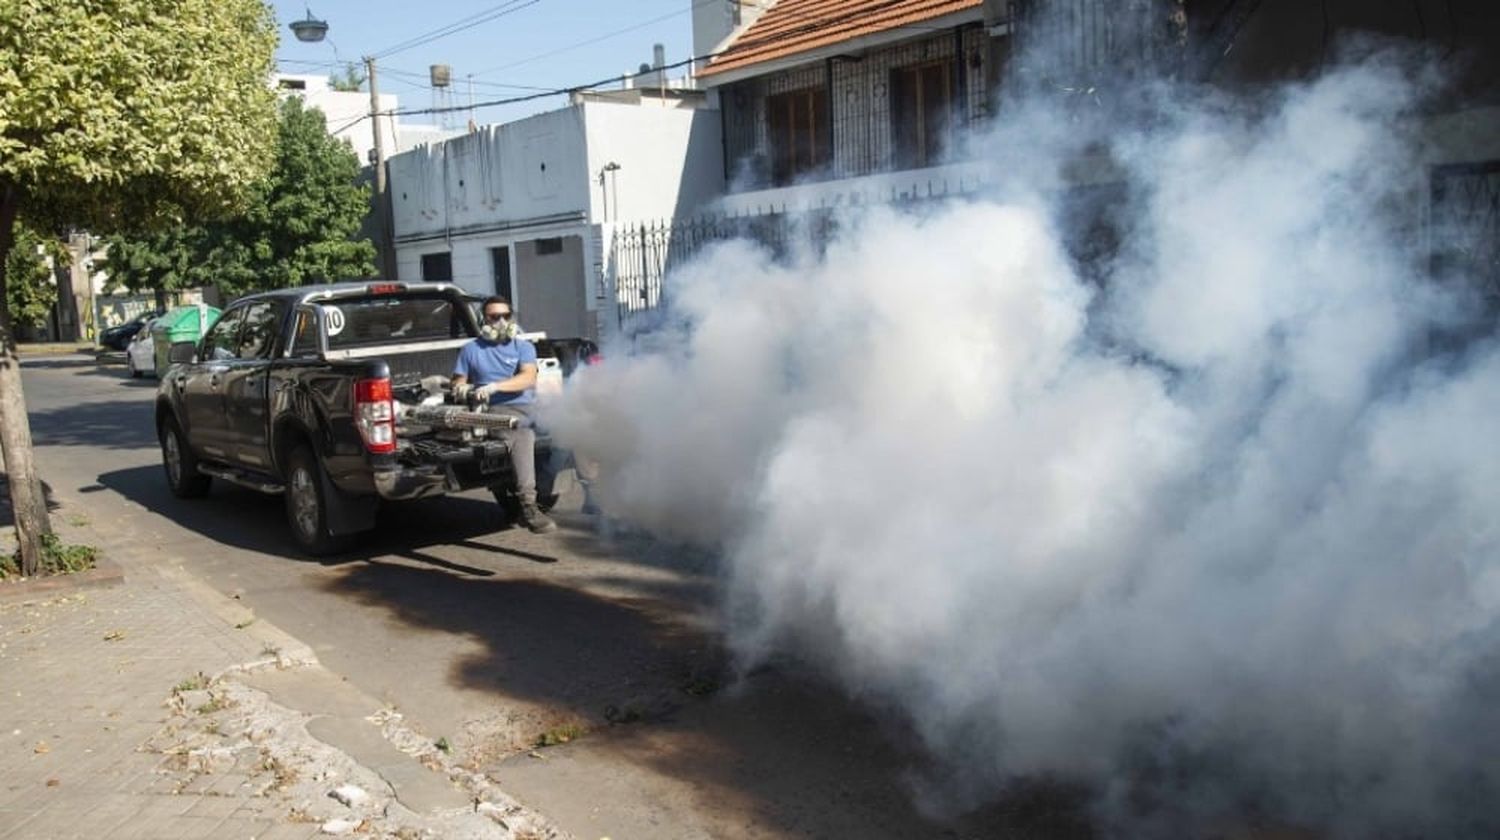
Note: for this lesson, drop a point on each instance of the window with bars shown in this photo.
(798, 125)
(922, 103)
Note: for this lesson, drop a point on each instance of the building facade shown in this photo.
(527, 209)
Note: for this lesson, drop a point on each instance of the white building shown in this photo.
(526, 209)
(348, 115)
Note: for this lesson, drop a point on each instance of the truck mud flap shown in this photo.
(347, 514)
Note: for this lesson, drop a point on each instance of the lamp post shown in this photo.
(614, 189)
(313, 30)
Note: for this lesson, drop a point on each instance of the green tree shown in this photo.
(120, 115)
(298, 228)
(161, 262)
(30, 287)
(349, 80)
(302, 220)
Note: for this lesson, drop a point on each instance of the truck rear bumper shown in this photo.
(411, 483)
(446, 470)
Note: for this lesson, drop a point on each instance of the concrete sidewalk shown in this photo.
(149, 705)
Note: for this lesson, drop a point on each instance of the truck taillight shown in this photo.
(374, 414)
(593, 359)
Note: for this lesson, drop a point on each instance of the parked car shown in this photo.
(118, 337)
(140, 355)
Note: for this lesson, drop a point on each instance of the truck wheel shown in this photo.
(182, 468)
(306, 507)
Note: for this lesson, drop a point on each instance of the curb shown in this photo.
(290, 652)
(30, 590)
(61, 349)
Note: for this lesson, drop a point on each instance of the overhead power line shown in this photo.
(812, 25)
(605, 37)
(544, 94)
(501, 10)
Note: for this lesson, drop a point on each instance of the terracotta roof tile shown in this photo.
(796, 26)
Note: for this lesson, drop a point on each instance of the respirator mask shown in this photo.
(500, 331)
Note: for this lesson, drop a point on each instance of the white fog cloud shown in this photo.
(1227, 507)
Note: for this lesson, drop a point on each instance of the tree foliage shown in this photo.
(348, 80)
(298, 228)
(117, 114)
(31, 289)
(165, 261)
(120, 115)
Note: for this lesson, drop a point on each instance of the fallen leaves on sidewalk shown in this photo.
(114, 635)
(41, 748)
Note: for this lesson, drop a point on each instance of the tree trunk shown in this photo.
(27, 502)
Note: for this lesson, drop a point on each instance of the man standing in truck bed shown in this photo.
(500, 368)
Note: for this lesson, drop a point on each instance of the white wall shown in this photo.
(348, 116)
(714, 21)
(671, 160)
(509, 185)
(501, 176)
(347, 112)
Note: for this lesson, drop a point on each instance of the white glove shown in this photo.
(461, 391)
(484, 392)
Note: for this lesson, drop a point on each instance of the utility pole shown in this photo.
(382, 198)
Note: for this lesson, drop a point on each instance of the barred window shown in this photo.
(922, 104)
(798, 125)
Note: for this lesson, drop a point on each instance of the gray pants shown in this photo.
(522, 443)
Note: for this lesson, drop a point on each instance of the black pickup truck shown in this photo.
(336, 396)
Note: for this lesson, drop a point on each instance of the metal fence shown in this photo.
(644, 254)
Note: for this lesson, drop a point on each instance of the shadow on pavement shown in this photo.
(252, 521)
(7, 516)
(780, 750)
(122, 424)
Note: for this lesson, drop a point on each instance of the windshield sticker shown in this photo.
(334, 318)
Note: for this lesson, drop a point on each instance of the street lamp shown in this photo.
(309, 29)
(312, 30)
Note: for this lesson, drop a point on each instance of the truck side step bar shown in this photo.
(258, 482)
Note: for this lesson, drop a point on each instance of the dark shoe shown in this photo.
(536, 521)
(589, 508)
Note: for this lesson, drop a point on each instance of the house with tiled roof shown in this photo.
(818, 90)
(824, 101)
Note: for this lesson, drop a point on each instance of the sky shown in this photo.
(530, 45)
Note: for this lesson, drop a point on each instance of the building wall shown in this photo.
(715, 20)
(508, 176)
(347, 112)
(509, 186)
(670, 159)
(348, 116)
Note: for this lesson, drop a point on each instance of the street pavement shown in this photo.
(440, 632)
(136, 705)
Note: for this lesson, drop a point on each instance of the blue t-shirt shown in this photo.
(483, 362)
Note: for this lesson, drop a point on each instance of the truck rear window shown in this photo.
(368, 322)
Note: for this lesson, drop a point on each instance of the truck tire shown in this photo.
(181, 466)
(307, 507)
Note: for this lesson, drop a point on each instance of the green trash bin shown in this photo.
(185, 324)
